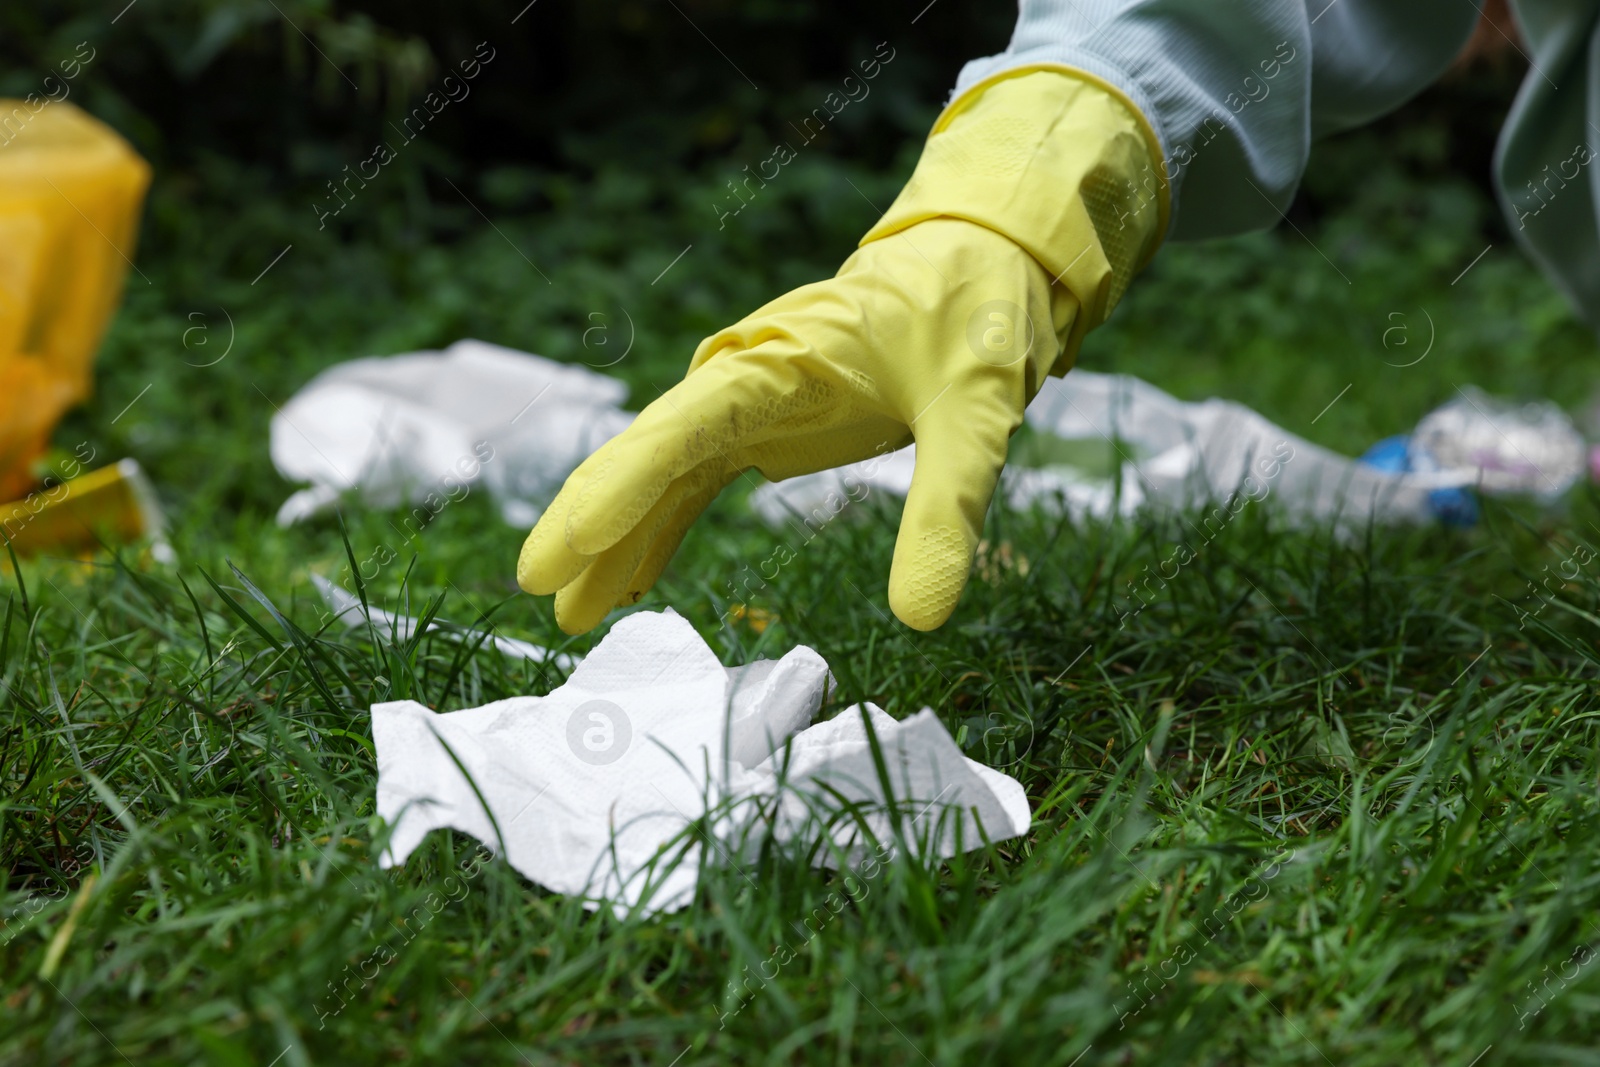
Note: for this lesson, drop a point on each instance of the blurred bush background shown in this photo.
(268, 98)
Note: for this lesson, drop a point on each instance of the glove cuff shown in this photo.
(1058, 161)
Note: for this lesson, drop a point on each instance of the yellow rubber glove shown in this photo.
(1018, 232)
(70, 195)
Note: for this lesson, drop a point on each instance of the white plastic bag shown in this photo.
(1172, 453)
(424, 428)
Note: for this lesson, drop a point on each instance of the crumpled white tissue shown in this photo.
(423, 428)
(1176, 454)
(584, 788)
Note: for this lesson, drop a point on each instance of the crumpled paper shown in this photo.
(1172, 453)
(586, 791)
(426, 427)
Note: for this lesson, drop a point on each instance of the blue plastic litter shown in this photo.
(1394, 455)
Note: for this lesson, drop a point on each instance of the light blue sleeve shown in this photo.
(1238, 89)
(1547, 164)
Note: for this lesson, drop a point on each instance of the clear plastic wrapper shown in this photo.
(1507, 447)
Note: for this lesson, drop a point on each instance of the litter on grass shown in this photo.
(595, 790)
(347, 609)
(114, 505)
(1531, 448)
(1177, 454)
(423, 428)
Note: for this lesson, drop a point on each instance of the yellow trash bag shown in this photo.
(70, 194)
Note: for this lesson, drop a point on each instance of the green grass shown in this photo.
(1323, 801)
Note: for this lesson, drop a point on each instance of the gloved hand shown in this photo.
(1018, 232)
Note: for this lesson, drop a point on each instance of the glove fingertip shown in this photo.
(545, 563)
(920, 615)
(928, 575)
(578, 614)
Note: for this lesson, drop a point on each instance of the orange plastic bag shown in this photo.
(70, 195)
